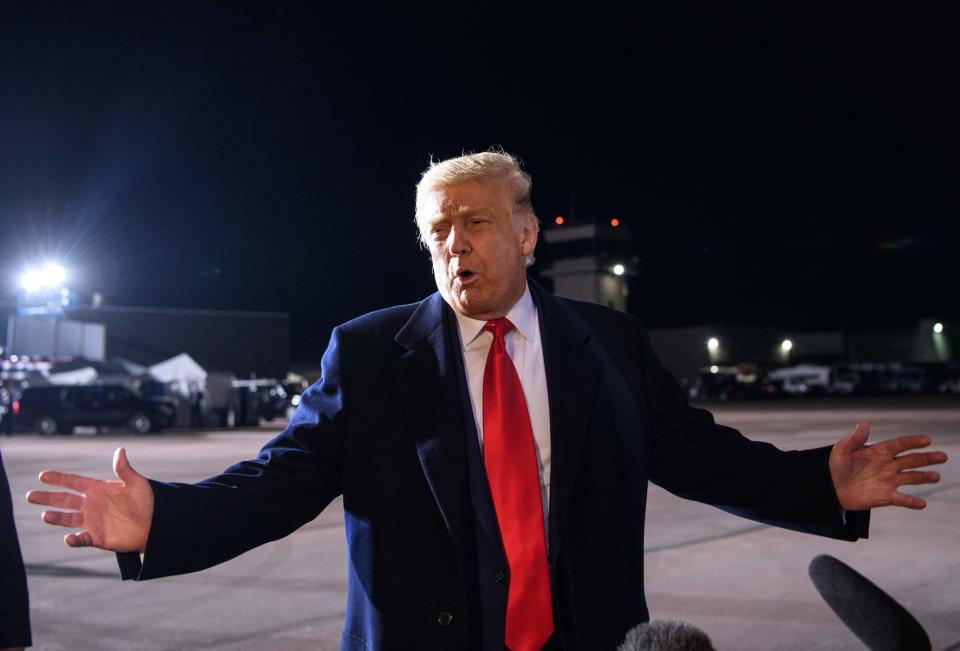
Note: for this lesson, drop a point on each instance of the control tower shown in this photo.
(591, 261)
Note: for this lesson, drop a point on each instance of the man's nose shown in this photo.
(457, 241)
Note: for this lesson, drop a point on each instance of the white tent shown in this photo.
(85, 375)
(132, 368)
(180, 372)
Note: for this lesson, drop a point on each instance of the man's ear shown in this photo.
(528, 241)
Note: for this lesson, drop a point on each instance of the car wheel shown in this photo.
(46, 426)
(140, 423)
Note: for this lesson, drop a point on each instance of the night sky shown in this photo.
(792, 167)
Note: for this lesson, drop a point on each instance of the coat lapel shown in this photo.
(426, 380)
(431, 403)
(572, 380)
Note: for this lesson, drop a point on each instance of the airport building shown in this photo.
(592, 261)
(246, 344)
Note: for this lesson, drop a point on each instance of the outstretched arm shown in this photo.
(178, 528)
(866, 476)
(112, 515)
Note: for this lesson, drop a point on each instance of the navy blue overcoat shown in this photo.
(386, 426)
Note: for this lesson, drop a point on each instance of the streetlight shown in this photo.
(786, 345)
(713, 344)
(938, 328)
(619, 269)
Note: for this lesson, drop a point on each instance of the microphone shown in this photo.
(873, 615)
(666, 635)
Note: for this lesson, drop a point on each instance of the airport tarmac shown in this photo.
(745, 584)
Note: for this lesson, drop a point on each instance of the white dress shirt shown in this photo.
(524, 348)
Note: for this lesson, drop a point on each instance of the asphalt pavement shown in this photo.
(745, 584)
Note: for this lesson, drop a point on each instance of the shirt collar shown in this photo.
(523, 316)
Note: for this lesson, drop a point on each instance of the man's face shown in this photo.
(478, 248)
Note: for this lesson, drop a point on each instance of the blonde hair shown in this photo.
(492, 164)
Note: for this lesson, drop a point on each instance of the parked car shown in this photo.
(745, 381)
(845, 384)
(51, 409)
(274, 402)
(262, 398)
(950, 385)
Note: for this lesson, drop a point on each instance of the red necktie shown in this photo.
(511, 461)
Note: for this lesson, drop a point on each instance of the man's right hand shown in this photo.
(113, 515)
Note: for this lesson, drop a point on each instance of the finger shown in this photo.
(925, 477)
(918, 460)
(907, 501)
(77, 483)
(58, 499)
(122, 468)
(856, 439)
(82, 539)
(63, 518)
(903, 443)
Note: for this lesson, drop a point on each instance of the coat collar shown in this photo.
(421, 327)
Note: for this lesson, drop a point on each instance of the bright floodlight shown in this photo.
(786, 345)
(938, 327)
(714, 369)
(618, 269)
(53, 275)
(31, 280)
(713, 343)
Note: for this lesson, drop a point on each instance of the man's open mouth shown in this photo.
(466, 276)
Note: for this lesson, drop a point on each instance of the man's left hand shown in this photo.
(866, 476)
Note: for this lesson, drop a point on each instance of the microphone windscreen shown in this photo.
(873, 615)
(666, 635)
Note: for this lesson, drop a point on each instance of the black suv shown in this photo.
(48, 410)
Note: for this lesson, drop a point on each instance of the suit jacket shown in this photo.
(388, 426)
(14, 606)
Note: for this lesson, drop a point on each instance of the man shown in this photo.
(492, 444)
(14, 606)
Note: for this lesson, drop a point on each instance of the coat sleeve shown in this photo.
(694, 457)
(292, 479)
(14, 607)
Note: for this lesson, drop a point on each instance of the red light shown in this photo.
(614, 222)
(558, 220)
(16, 407)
